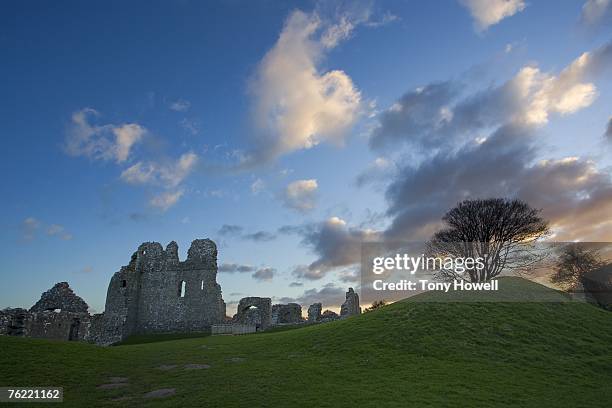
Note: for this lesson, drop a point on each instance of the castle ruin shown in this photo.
(157, 293)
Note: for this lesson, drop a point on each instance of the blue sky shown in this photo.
(125, 122)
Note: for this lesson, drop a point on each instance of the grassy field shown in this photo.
(411, 353)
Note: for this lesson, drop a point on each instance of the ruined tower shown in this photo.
(157, 293)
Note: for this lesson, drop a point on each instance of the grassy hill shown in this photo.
(411, 353)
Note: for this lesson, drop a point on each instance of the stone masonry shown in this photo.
(157, 293)
(286, 314)
(256, 311)
(314, 312)
(58, 315)
(351, 306)
(60, 297)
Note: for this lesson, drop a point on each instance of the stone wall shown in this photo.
(157, 293)
(314, 312)
(58, 315)
(60, 297)
(62, 325)
(13, 322)
(289, 313)
(234, 329)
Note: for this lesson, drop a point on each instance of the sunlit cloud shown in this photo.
(490, 12)
(301, 195)
(101, 142)
(322, 108)
(166, 199)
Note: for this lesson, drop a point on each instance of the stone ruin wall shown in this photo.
(157, 293)
(290, 313)
(350, 307)
(59, 315)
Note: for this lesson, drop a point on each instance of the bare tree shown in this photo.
(501, 232)
(573, 262)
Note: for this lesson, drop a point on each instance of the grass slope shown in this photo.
(411, 353)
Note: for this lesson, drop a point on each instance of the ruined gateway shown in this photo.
(157, 293)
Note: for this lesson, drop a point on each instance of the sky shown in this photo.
(289, 132)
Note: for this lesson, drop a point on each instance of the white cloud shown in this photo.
(297, 105)
(257, 186)
(29, 227)
(180, 105)
(104, 142)
(56, 230)
(190, 125)
(175, 174)
(544, 94)
(594, 11)
(169, 175)
(166, 199)
(301, 194)
(126, 136)
(139, 173)
(490, 12)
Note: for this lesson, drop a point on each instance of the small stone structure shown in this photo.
(314, 312)
(255, 311)
(286, 314)
(58, 315)
(351, 306)
(157, 293)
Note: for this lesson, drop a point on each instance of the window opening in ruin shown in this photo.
(182, 289)
(202, 286)
(123, 283)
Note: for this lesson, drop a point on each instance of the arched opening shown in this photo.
(123, 283)
(202, 286)
(253, 316)
(182, 287)
(74, 330)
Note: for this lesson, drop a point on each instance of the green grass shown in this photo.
(156, 338)
(411, 353)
